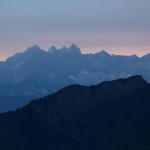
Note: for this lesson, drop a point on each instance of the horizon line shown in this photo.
(123, 51)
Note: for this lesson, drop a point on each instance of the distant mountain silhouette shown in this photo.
(36, 73)
(113, 115)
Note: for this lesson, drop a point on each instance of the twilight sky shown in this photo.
(118, 26)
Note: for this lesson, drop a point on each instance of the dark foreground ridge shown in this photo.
(113, 115)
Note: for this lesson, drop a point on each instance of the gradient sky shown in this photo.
(118, 26)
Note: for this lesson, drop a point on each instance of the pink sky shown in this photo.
(119, 27)
(117, 51)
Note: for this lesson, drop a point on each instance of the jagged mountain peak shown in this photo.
(34, 48)
(74, 49)
(64, 49)
(31, 53)
(73, 46)
(53, 50)
(103, 53)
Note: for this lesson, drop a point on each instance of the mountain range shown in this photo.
(35, 73)
(113, 115)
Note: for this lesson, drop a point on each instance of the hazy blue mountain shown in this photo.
(113, 115)
(36, 72)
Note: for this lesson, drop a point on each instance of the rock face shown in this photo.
(113, 115)
(36, 73)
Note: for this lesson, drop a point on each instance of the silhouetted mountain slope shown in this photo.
(113, 115)
(13, 102)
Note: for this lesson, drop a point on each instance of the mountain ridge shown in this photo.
(80, 117)
(36, 73)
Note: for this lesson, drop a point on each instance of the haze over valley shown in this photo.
(36, 73)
